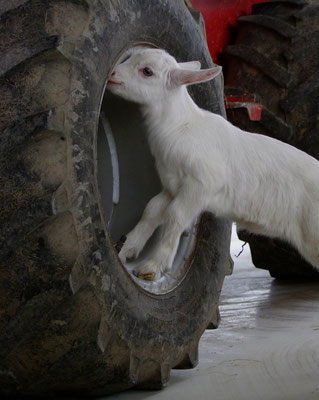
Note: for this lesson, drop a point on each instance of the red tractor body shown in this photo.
(220, 16)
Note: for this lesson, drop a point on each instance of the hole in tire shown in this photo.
(127, 180)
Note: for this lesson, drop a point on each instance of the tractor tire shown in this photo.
(73, 320)
(276, 58)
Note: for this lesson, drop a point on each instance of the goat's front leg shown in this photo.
(151, 219)
(181, 211)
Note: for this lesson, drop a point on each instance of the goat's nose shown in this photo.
(113, 73)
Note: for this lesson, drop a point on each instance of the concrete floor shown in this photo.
(266, 347)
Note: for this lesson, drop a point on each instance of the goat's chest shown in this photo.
(171, 160)
(171, 173)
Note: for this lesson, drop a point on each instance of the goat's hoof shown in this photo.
(150, 271)
(120, 243)
(147, 277)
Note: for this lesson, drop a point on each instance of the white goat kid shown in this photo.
(207, 164)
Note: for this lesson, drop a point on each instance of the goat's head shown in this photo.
(149, 75)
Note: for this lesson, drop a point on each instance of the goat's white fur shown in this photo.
(207, 164)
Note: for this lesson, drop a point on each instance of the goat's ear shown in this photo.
(191, 65)
(178, 77)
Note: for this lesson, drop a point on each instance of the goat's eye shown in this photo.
(147, 71)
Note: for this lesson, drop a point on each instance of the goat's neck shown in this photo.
(170, 115)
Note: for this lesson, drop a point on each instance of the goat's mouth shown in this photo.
(114, 83)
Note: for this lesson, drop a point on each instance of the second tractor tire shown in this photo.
(276, 58)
